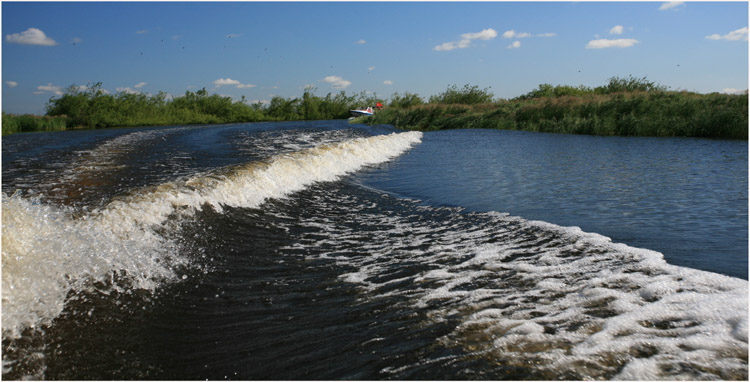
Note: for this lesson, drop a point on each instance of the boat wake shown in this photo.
(49, 251)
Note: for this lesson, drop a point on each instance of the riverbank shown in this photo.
(635, 113)
(624, 106)
(92, 107)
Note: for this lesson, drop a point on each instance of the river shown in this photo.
(323, 250)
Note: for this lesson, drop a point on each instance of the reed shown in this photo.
(25, 123)
(646, 110)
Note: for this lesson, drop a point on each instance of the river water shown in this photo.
(323, 250)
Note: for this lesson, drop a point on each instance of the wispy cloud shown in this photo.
(671, 5)
(31, 36)
(616, 43)
(466, 40)
(733, 91)
(388, 82)
(485, 34)
(139, 85)
(142, 31)
(337, 82)
(617, 29)
(11, 84)
(739, 34)
(515, 45)
(546, 35)
(127, 90)
(49, 88)
(361, 42)
(513, 34)
(230, 82)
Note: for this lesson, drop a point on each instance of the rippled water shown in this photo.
(317, 250)
(686, 198)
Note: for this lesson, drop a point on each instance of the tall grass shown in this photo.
(626, 107)
(24, 123)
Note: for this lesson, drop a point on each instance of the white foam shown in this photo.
(47, 250)
(563, 300)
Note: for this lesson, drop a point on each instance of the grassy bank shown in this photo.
(92, 107)
(22, 123)
(626, 107)
(663, 114)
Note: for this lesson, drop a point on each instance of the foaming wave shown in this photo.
(556, 301)
(47, 250)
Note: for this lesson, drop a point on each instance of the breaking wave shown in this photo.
(50, 250)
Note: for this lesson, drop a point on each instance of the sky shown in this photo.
(264, 49)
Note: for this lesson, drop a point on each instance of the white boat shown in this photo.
(359, 112)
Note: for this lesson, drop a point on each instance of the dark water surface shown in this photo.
(320, 250)
(686, 198)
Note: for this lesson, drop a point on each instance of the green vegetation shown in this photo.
(624, 106)
(91, 107)
(27, 122)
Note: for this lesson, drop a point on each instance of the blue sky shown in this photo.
(261, 50)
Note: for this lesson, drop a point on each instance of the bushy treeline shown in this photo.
(625, 106)
(92, 107)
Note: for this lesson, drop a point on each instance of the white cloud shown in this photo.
(337, 82)
(388, 82)
(127, 90)
(225, 81)
(453, 45)
(739, 34)
(617, 29)
(230, 82)
(139, 85)
(485, 34)
(371, 68)
(733, 91)
(31, 36)
(671, 5)
(142, 31)
(11, 84)
(513, 34)
(515, 45)
(361, 42)
(49, 88)
(546, 35)
(445, 46)
(617, 43)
